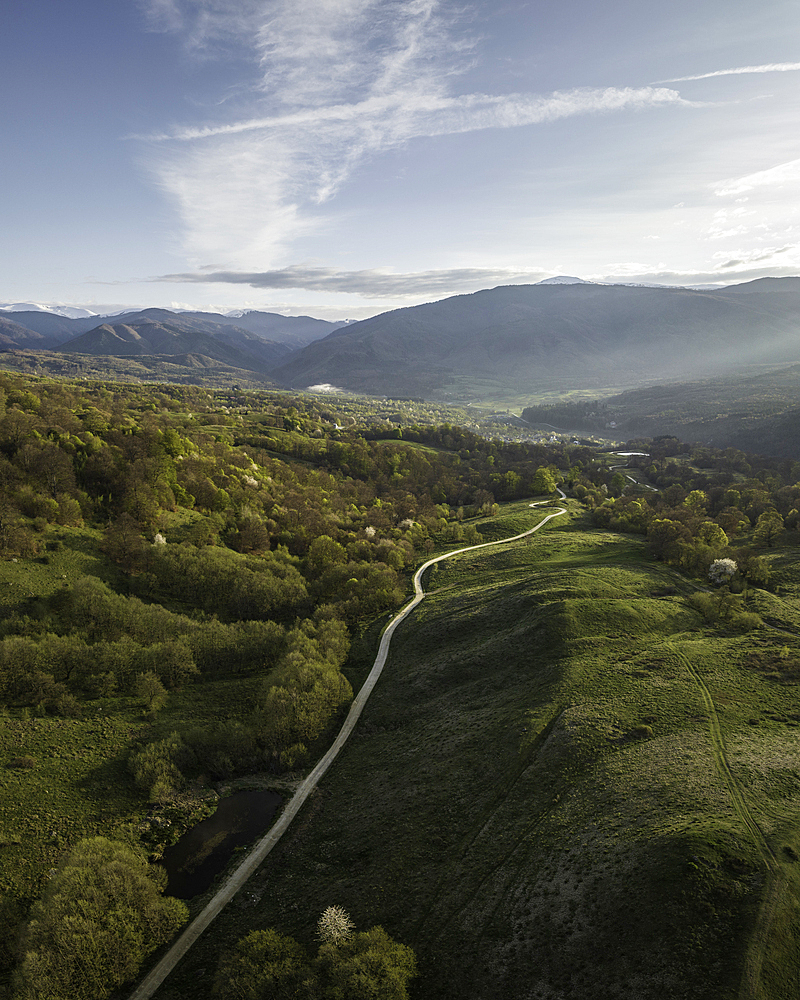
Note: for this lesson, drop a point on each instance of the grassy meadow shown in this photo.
(566, 785)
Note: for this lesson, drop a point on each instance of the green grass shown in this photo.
(535, 798)
(75, 785)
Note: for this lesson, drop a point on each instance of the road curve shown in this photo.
(236, 879)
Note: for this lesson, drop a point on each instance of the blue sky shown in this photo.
(343, 157)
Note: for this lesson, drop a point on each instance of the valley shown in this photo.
(578, 766)
(399, 501)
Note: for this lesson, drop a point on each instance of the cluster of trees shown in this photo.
(706, 508)
(293, 708)
(349, 965)
(101, 914)
(258, 476)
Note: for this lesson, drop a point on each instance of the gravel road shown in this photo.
(156, 976)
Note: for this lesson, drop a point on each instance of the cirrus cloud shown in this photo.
(785, 67)
(337, 84)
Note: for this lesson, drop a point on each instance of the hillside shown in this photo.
(538, 798)
(14, 335)
(755, 412)
(154, 337)
(293, 331)
(528, 337)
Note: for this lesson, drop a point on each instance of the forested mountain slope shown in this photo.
(290, 331)
(566, 336)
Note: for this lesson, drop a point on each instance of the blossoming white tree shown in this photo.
(722, 570)
(335, 926)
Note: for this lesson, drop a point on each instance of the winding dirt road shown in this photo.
(148, 986)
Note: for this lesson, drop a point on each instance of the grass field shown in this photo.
(564, 786)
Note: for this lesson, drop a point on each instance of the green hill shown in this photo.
(565, 785)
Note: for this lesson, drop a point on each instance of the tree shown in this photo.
(663, 535)
(769, 527)
(100, 915)
(265, 965)
(543, 482)
(334, 926)
(697, 501)
(721, 570)
(617, 484)
(152, 692)
(322, 553)
(711, 534)
(154, 768)
(367, 966)
(123, 542)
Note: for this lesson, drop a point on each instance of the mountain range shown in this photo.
(291, 331)
(556, 336)
(559, 337)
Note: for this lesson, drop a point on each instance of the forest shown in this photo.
(184, 572)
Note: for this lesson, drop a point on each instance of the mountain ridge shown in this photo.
(576, 334)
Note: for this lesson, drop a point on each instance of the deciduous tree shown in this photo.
(101, 914)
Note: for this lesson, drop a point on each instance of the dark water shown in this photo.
(204, 851)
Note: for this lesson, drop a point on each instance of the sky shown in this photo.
(339, 158)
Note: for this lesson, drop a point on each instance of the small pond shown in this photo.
(204, 851)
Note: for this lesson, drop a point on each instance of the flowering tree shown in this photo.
(722, 570)
(335, 926)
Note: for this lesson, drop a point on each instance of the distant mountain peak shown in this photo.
(68, 312)
(564, 279)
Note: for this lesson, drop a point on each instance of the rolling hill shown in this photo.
(15, 335)
(157, 338)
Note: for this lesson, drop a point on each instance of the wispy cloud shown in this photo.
(786, 257)
(375, 284)
(777, 176)
(339, 82)
(788, 67)
(391, 119)
(372, 283)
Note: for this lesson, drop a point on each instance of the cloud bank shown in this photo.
(743, 265)
(372, 283)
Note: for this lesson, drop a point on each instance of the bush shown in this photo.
(155, 769)
(265, 964)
